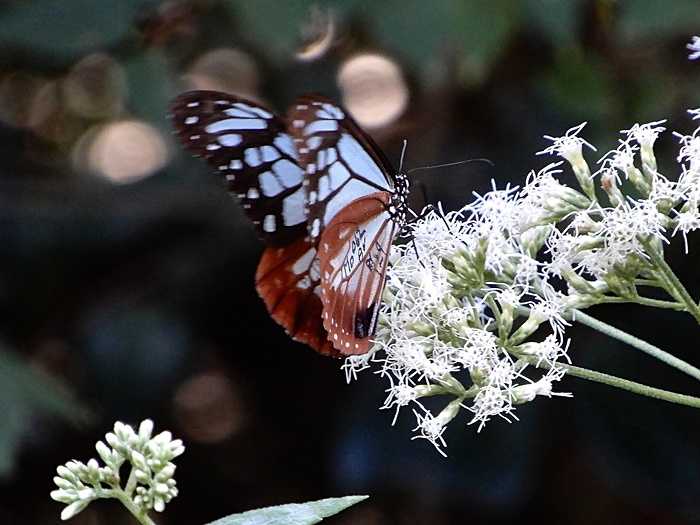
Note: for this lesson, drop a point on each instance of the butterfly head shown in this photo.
(399, 199)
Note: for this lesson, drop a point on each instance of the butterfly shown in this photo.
(321, 195)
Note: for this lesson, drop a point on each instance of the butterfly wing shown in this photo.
(288, 280)
(353, 255)
(250, 147)
(341, 162)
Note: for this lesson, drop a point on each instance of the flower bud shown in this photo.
(609, 185)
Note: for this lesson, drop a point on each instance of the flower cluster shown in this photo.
(477, 304)
(150, 485)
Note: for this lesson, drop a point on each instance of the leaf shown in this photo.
(67, 30)
(277, 26)
(273, 24)
(406, 34)
(581, 87)
(643, 19)
(293, 513)
(556, 19)
(24, 392)
(483, 30)
(150, 88)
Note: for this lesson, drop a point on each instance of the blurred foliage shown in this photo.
(26, 394)
(147, 285)
(64, 31)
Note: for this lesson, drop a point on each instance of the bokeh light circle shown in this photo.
(123, 151)
(225, 69)
(208, 407)
(373, 89)
(95, 87)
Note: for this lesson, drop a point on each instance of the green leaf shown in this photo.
(67, 30)
(272, 23)
(400, 26)
(556, 19)
(150, 88)
(642, 19)
(483, 30)
(24, 392)
(580, 86)
(293, 513)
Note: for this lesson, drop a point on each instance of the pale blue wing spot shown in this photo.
(293, 208)
(269, 184)
(230, 139)
(288, 172)
(235, 123)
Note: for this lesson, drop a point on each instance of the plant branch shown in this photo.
(637, 343)
(676, 287)
(142, 517)
(646, 301)
(618, 382)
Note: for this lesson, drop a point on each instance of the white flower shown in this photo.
(550, 305)
(548, 351)
(543, 191)
(695, 113)
(621, 159)
(489, 402)
(645, 134)
(541, 387)
(621, 227)
(430, 428)
(687, 220)
(690, 149)
(694, 48)
(569, 146)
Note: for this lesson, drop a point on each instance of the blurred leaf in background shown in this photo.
(27, 398)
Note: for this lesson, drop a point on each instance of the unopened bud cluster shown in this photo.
(150, 485)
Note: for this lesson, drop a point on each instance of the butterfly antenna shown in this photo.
(403, 154)
(458, 163)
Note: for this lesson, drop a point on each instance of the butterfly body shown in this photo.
(321, 194)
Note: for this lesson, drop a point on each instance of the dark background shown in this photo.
(126, 287)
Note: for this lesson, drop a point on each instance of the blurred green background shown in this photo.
(126, 286)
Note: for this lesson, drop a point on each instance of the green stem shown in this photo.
(676, 287)
(646, 301)
(131, 482)
(139, 514)
(624, 384)
(653, 283)
(637, 343)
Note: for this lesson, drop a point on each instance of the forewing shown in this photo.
(249, 146)
(341, 162)
(288, 281)
(353, 255)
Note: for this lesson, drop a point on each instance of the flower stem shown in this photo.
(676, 288)
(653, 283)
(637, 343)
(624, 384)
(139, 514)
(131, 482)
(646, 301)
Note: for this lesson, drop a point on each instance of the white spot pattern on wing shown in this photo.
(269, 224)
(269, 184)
(293, 208)
(289, 172)
(230, 139)
(235, 123)
(320, 125)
